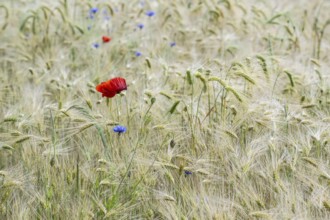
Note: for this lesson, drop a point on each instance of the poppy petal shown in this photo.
(112, 87)
(118, 84)
(100, 87)
(109, 94)
(106, 39)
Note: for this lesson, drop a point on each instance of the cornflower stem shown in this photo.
(139, 140)
(129, 165)
(118, 144)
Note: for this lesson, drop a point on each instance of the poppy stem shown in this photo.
(127, 112)
(118, 104)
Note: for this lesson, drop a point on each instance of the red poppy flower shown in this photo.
(112, 87)
(106, 39)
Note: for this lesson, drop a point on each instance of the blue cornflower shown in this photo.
(119, 129)
(187, 172)
(137, 53)
(96, 45)
(140, 25)
(150, 13)
(93, 10)
(172, 44)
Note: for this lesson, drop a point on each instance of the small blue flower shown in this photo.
(119, 129)
(96, 45)
(93, 10)
(137, 53)
(187, 172)
(89, 27)
(172, 44)
(150, 13)
(140, 25)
